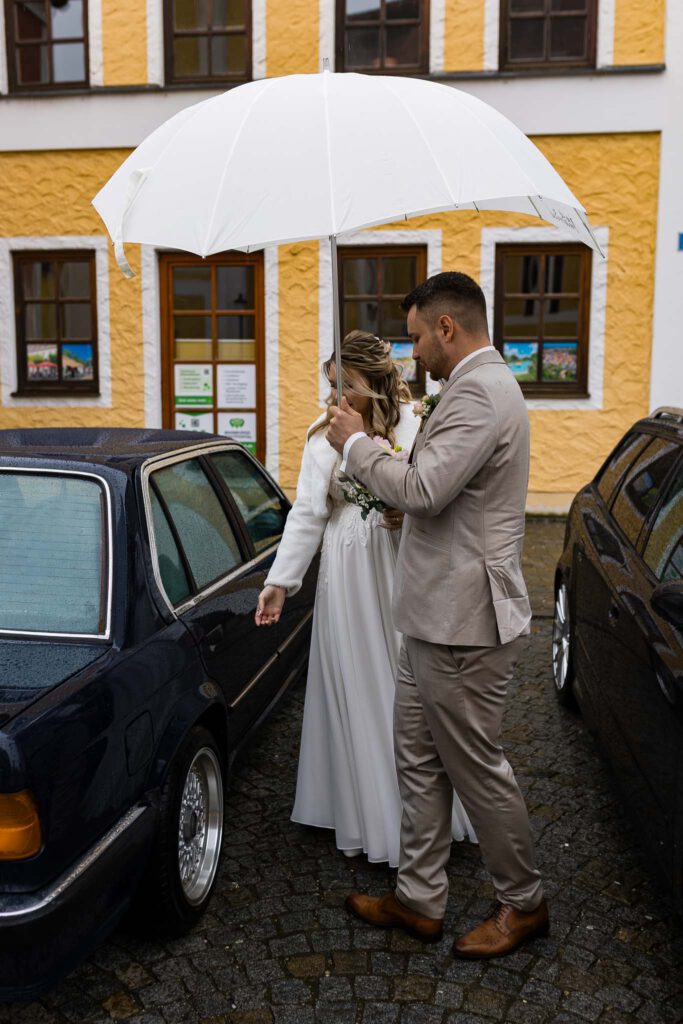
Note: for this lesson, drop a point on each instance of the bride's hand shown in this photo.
(392, 519)
(269, 608)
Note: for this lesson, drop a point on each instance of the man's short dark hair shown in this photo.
(453, 293)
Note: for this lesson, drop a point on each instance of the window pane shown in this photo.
(562, 273)
(171, 569)
(192, 288)
(567, 37)
(526, 39)
(624, 455)
(235, 287)
(191, 57)
(527, 6)
(74, 280)
(521, 273)
(360, 316)
(52, 554)
(76, 320)
(258, 502)
(228, 55)
(38, 280)
(665, 542)
(229, 13)
(31, 20)
(641, 487)
(67, 20)
(236, 338)
(393, 320)
(41, 363)
(204, 531)
(191, 14)
(33, 66)
(68, 62)
(522, 357)
(560, 318)
(398, 275)
(362, 47)
(77, 362)
(40, 320)
(360, 276)
(363, 10)
(568, 5)
(402, 46)
(402, 8)
(560, 361)
(521, 318)
(192, 336)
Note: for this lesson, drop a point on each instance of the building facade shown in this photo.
(234, 343)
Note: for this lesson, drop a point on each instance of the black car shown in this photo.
(131, 671)
(618, 627)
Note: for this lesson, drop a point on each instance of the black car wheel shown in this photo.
(182, 874)
(563, 667)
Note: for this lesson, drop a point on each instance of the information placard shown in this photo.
(237, 385)
(193, 384)
(194, 421)
(241, 426)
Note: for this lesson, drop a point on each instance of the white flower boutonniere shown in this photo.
(425, 407)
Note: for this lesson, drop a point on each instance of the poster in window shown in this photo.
(521, 357)
(41, 363)
(194, 421)
(193, 384)
(402, 353)
(240, 426)
(237, 385)
(77, 362)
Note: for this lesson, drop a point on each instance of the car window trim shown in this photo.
(109, 555)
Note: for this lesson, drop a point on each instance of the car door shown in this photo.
(212, 581)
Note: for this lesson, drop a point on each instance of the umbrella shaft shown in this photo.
(336, 317)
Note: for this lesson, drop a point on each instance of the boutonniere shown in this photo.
(425, 407)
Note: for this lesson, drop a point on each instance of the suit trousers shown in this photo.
(447, 722)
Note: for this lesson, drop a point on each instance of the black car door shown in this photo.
(213, 582)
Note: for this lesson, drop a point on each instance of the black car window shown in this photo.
(621, 459)
(171, 568)
(664, 549)
(202, 526)
(641, 486)
(259, 503)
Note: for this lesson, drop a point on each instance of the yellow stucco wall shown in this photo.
(48, 194)
(292, 37)
(639, 31)
(464, 35)
(124, 42)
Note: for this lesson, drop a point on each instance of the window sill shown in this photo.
(556, 394)
(55, 393)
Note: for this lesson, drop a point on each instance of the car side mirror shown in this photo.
(667, 600)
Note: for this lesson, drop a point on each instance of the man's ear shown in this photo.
(447, 327)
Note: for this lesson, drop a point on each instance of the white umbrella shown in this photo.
(313, 156)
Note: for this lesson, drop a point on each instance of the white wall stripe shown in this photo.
(95, 54)
(437, 31)
(258, 39)
(605, 51)
(155, 42)
(151, 335)
(272, 370)
(490, 237)
(4, 85)
(326, 32)
(8, 351)
(491, 34)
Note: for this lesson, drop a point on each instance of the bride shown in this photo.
(347, 779)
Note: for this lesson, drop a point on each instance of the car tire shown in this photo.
(183, 869)
(562, 648)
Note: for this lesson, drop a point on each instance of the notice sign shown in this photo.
(194, 421)
(237, 385)
(241, 426)
(193, 384)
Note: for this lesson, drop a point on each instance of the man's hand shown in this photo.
(270, 602)
(343, 424)
(392, 519)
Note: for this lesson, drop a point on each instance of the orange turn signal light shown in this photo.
(19, 826)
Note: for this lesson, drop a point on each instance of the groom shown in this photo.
(461, 603)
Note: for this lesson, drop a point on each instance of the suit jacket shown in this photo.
(459, 576)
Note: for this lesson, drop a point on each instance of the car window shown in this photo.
(664, 549)
(201, 524)
(257, 500)
(641, 486)
(171, 568)
(621, 459)
(53, 559)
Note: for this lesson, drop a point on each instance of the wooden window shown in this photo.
(372, 283)
(48, 44)
(56, 323)
(383, 35)
(207, 40)
(541, 321)
(547, 33)
(212, 326)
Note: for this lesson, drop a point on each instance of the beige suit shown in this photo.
(461, 603)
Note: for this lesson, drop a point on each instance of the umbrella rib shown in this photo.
(236, 138)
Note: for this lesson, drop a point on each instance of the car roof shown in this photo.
(99, 445)
(666, 419)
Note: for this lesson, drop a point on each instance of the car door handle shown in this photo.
(613, 614)
(214, 637)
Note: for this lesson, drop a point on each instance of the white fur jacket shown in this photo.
(312, 507)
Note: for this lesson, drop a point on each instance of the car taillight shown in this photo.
(19, 826)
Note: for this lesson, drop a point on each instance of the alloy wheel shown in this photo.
(200, 825)
(561, 638)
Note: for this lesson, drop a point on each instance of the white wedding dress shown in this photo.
(347, 778)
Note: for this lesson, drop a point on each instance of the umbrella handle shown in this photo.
(335, 317)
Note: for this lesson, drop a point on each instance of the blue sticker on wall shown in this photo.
(680, 241)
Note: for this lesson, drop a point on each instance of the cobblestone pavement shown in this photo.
(279, 948)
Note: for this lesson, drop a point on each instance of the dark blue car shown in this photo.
(131, 672)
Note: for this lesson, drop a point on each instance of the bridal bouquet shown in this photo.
(357, 494)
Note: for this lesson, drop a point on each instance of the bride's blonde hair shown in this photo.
(369, 370)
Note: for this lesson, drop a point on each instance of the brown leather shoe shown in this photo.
(388, 912)
(503, 932)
